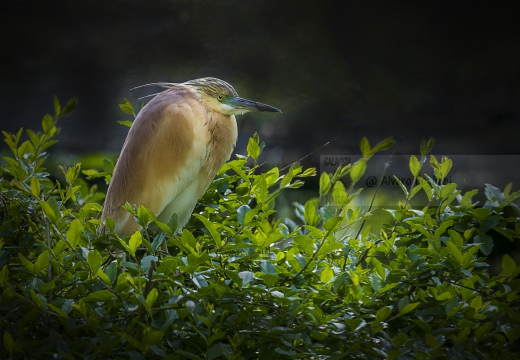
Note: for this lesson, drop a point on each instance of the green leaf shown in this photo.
(151, 298)
(324, 183)
(48, 211)
(358, 170)
(28, 265)
(260, 188)
(124, 281)
(426, 187)
(513, 334)
(127, 123)
(293, 170)
(241, 214)
(127, 107)
(135, 240)
(157, 241)
(173, 222)
(74, 232)
(212, 228)
(462, 335)
(364, 146)
(267, 267)
(111, 272)
(310, 212)
(144, 215)
(383, 145)
(152, 338)
(456, 238)
(329, 247)
(448, 190)
(454, 251)
(234, 277)
(35, 139)
(69, 107)
(445, 167)
(493, 193)
(4, 273)
(326, 274)
(484, 330)
(38, 299)
(452, 307)
(58, 311)
(407, 308)
(400, 183)
(219, 351)
(247, 277)
(35, 187)
(467, 198)
(147, 245)
(57, 106)
(41, 262)
(426, 147)
(387, 287)
(47, 123)
(431, 341)
(277, 294)
(378, 266)
(442, 228)
(147, 262)
(94, 260)
(100, 295)
(200, 281)
(476, 303)
(415, 165)
(339, 194)
(383, 313)
(164, 227)
(415, 190)
(508, 265)
(9, 342)
(187, 238)
(167, 266)
(104, 277)
(269, 280)
(468, 256)
(253, 149)
(308, 172)
(486, 243)
(305, 243)
(332, 223)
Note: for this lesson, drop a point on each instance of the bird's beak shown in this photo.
(249, 105)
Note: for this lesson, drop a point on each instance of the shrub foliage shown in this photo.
(240, 282)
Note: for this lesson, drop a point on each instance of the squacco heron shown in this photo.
(174, 149)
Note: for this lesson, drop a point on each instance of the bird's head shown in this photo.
(221, 97)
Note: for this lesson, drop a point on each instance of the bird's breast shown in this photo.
(221, 131)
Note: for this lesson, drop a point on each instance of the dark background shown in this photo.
(338, 70)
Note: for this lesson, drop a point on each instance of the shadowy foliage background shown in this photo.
(338, 70)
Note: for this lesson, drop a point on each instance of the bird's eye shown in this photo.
(220, 97)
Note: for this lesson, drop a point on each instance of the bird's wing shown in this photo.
(163, 153)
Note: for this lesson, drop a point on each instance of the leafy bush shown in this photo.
(239, 282)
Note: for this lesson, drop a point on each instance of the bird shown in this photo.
(176, 145)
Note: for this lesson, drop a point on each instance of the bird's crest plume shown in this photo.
(209, 85)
